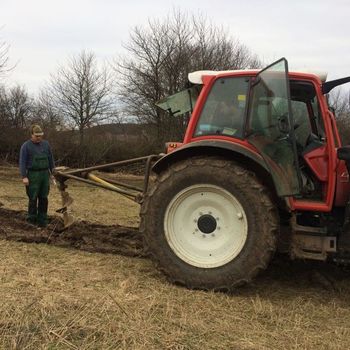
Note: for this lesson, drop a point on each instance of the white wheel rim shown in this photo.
(219, 213)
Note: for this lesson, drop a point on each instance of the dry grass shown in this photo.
(90, 203)
(58, 298)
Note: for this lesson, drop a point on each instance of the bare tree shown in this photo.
(4, 58)
(81, 93)
(45, 113)
(15, 107)
(339, 101)
(160, 56)
(15, 116)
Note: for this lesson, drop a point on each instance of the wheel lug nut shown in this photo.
(213, 234)
(218, 228)
(217, 219)
(203, 236)
(196, 230)
(200, 213)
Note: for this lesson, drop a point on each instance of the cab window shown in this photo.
(225, 108)
(308, 122)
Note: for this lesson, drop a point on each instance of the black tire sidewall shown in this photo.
(242, 185)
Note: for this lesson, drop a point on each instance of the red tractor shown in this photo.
(260, 168)
(261, 151)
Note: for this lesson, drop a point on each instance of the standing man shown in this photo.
(36, 163)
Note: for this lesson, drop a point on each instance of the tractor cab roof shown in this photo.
(197, 76)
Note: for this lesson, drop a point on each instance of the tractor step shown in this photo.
(310, 242)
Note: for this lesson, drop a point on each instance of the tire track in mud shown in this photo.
(82, 235)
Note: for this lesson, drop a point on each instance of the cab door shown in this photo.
(270, 127)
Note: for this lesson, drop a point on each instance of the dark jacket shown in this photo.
(28, 150)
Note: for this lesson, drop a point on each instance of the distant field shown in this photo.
(66, 294)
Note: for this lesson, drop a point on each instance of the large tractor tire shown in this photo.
(209, 224)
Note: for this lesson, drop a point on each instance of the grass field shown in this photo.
(65, 298)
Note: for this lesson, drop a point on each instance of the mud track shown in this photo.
(127, 241)
(81, 235)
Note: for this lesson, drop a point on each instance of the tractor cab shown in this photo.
(278, 116)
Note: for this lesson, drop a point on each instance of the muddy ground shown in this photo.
(126, 241)
(82, 235)
(58, 295)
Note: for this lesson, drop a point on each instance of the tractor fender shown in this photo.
(229, 150)
(226, 149)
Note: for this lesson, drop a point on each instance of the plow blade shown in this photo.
(67, 200)
(68, 219)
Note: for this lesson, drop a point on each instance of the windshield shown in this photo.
(225, 108)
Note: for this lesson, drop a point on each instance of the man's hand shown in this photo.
(25, 181)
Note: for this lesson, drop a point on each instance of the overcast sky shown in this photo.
(42, 34)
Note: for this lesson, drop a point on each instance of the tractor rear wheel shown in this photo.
(209, 224)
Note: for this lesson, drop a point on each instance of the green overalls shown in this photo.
(38, 190)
